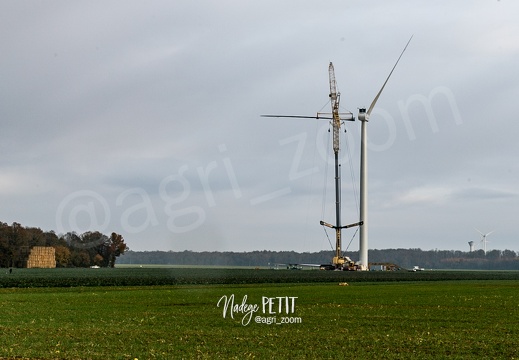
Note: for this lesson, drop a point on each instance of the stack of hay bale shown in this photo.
(42, 257)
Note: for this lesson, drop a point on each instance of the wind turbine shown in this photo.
(364, 118)
(484, 239)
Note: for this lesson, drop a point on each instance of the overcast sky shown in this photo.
(143, 118)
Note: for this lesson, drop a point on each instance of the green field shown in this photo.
(382, 317)
(148, 276)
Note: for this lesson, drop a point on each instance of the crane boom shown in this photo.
(335, 98)
(333, 85)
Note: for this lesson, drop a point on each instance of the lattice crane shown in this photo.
(339, 261)
(337, 119)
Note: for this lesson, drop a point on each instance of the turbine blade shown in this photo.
(299, 117)
(385, 82)
(479, 232)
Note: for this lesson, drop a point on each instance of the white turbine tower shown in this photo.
(484, 239)
(364, 118)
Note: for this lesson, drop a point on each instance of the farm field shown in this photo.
(147, 276)
(390, 319)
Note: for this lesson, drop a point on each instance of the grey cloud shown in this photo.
(110, 96)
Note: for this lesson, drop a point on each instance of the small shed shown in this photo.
(378, 267)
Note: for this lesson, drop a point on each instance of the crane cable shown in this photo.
(323, 206)
(328, 237)
(355, 192)
(352, 174)
(353, 181)
(325, 181)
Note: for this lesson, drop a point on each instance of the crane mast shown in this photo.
(334, 100)
(339, 261)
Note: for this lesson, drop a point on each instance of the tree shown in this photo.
(72, 240)
(115, 247)
(98, 260)
(80, 258)
(91, 242)
(51, 239)
(493, 255)
(71, 249)
(63, 256)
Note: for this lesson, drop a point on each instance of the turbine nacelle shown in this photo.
(363, 115)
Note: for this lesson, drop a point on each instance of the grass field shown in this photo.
(209, 276)
(456, 319)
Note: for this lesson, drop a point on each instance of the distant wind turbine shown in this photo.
(484, 239)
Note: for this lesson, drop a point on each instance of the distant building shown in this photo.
(377, 267)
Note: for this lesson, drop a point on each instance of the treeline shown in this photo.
(72, 250)
(448, 259)
(405, 258)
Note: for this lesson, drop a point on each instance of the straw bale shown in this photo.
(42, 257)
